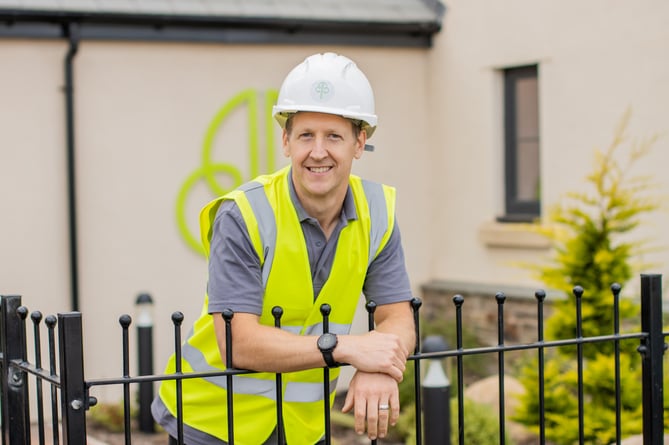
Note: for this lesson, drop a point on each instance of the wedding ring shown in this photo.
(384, 407)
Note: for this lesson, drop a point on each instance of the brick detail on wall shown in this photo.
(480, 310)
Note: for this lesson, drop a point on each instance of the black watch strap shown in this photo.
(329, 359)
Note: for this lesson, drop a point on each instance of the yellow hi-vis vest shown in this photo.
(276, 234)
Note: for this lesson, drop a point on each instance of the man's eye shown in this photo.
(335, 136)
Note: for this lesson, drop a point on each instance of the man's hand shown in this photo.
(366, 393)
(373, 352)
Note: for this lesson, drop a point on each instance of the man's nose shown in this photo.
(319, 150)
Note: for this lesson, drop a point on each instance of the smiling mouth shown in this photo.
(318, 169)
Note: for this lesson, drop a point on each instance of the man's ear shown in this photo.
(284, 141)
(360, 144)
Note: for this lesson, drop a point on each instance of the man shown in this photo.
(309, 234)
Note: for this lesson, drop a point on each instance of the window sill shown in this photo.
(510, 235)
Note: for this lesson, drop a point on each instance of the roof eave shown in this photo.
(238, 29)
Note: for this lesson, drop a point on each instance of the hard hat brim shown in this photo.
(281, 114)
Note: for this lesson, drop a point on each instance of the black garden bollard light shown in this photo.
(436, 390)
(144, 323)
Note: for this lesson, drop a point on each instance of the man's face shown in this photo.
(321, 148)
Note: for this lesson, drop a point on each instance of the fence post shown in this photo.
(15, 402)
(144, 304)
(652, 351)
(436, 395)
(73, 387)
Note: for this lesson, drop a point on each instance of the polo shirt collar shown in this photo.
(348, 211)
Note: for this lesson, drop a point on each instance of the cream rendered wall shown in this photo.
(33, 227)
(142, 111)
(595, 58)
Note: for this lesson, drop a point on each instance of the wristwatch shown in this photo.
(326, 343)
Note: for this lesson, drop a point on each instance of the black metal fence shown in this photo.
(63, 384)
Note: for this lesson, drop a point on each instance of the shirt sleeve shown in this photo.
(235, 277)
(387, 279)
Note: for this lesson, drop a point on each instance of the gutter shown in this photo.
(71, 30)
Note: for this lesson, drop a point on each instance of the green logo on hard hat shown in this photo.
(322, 91)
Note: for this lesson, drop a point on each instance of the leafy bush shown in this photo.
(108, 416)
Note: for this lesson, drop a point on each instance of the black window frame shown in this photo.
(515, 210)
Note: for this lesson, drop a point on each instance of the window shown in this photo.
(521, 144)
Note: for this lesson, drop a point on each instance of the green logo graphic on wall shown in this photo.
(210, 170)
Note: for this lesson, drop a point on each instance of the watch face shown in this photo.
(327, 341)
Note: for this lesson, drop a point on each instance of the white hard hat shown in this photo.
(327, 83)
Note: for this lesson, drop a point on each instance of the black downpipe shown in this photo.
(72, 33)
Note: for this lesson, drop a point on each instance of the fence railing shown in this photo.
(68, 390)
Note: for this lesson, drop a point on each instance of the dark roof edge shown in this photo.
(118, 26)
(436, 7)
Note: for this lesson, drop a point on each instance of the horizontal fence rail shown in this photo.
(68, 390)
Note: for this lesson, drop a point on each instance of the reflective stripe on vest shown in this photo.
(256, 196)
(243, 384)
(378, 215)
